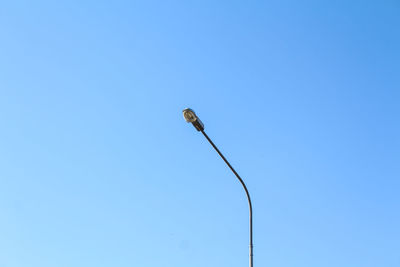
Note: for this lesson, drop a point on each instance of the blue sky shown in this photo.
(98, 167)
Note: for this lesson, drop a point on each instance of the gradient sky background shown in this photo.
(98, 167)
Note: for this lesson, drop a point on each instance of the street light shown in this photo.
(190, 116)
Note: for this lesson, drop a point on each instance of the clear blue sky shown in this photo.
(98, 167)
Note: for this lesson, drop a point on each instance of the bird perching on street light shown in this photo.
(190, 116)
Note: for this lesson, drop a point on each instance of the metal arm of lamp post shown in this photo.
(191, 117)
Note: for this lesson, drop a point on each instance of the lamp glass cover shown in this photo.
(189, 115)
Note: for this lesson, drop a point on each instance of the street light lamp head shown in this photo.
(190, 116)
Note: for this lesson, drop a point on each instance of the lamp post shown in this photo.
(190, 116)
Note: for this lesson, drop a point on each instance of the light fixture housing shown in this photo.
(190, 116)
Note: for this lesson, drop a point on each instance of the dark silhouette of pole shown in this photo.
(190, 116)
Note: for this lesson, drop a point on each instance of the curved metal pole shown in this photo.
(247, 194)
